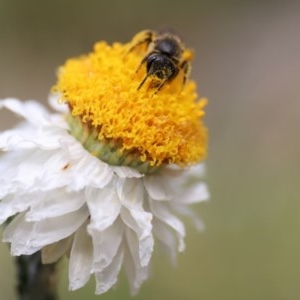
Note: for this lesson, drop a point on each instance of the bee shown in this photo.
(166, 57)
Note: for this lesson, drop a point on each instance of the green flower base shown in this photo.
(108, 150)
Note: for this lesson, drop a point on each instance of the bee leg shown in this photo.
(140, 65)
(148, 38)
(186, 67)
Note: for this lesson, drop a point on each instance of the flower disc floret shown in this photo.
(160, 128)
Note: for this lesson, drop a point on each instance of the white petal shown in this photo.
(52, 253)
(165, 236)
(13, 204)
(131, 193)
(15, 166)
(46, 171)
(179, 185)
(32, 111)
(139, 223)
(50, 170)
(136, 273)
(188, 212)
(104, 206)
(127, 172)
(56, 104)
(197, 171)
(108, 277)
(25, 237)
(157, 187)
(17, 230)
(90, 171)
(161, 211)
(85, 169)
(194, 193)
(42, 204)
(81, 259)
(106, 244)
(54, 204)
(25, 136)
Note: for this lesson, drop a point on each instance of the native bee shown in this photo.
(165, 58)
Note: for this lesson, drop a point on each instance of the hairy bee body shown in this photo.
(164, 58)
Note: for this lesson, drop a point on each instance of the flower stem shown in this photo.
(35, 280)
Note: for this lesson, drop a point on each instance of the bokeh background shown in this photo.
(248, 65)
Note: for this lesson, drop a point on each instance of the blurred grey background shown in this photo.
(247, 63)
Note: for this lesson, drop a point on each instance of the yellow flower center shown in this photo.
(158, 127)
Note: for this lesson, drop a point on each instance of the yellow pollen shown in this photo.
(160, 127)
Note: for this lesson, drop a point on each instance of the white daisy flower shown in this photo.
(107, 176)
